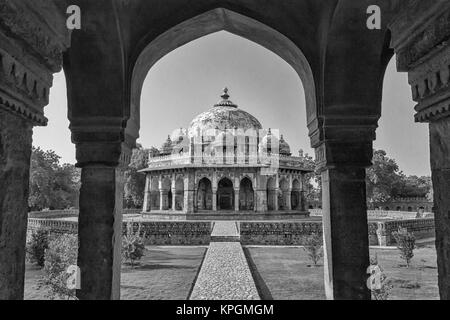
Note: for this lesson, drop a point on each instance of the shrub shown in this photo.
(36, 247)
(406, 243)
(133, 244)
(314, 247)
(61, 253)
(382, 291)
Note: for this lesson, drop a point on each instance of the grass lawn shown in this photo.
(165, 273)
(285, 273)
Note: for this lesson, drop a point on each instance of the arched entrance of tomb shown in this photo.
(283, 196)
(296, 195)
(271, 194)
(225, 195)
(204, 195)
(179, 195)
(246, 195)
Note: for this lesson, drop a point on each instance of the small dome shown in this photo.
(285, 149)
(167, 147)
(180, 141)
(178, 136)
(268, 142)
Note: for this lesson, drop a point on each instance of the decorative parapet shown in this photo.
(207, 159)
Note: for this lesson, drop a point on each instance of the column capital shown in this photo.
(331, 154)
(102, 153)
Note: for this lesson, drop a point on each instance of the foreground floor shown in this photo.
(168, 273)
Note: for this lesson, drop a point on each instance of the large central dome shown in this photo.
(224, 115)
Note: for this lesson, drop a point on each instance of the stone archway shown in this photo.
(246, 195)
(225, 195)
(204, 194)
(218, 19)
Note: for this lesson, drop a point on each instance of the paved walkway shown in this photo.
(225, 231)
(225, 274)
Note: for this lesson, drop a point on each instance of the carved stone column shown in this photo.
(100, 219)
(236, 199)
(174, 199)
(32, 39)
(346, 246)
(288, 200)
(189, 192)
(15, 152)
(146, 207)
(440, 167)
(214, 199)
(275, 200)
(424, 52)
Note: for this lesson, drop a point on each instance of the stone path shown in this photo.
(225, 274)
(225, 231)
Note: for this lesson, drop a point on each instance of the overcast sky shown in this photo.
(190, 80)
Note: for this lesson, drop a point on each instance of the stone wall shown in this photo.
(381, 214)
(176, 233)
(380, 233)
(58, 214)
(251, 233)
(278, 233)
(156, 233)
(53, 214)
(294, 233)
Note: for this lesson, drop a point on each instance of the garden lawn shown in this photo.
(164, 273)
(285, 273)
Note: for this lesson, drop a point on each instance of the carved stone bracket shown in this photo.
(430, 86)
(33, 37)
(22, 91)
(40, 26)
(424, 51)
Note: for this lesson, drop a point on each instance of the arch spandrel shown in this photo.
(215, 20)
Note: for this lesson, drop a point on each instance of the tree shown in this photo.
(134, 180)
(406, 243)
(61, 253)
(414, 186)
(52, 185)
(384, 180)
(314, 247)
(313, 187)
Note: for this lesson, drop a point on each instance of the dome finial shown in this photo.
(225, 94)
